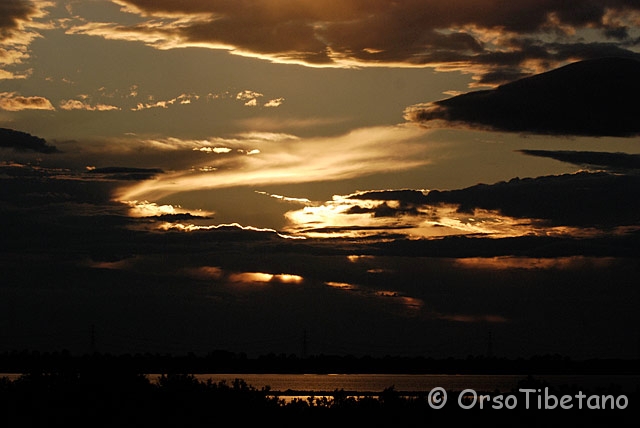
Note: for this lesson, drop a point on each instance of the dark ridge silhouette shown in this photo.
(597, 97)
(23, 142)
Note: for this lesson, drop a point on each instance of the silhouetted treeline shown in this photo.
(116, 399)
(229, 362)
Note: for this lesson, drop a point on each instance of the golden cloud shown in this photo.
(493, 39)
(81, 105)
(18, 28)
(11, 101)
(290, 160)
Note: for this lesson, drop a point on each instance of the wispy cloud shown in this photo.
(290, 160)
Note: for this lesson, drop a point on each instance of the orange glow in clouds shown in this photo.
(261, 277)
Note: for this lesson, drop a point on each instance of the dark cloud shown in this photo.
(385, 210)
(11, 13)
(617, 162)
(125, 173)
(581, 199)
(64, 273)
(71, 259)
(22, 141)
(480, 36)
(587, 98)
(405, 196)
(604, 198)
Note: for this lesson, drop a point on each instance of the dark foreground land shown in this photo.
(102, 391)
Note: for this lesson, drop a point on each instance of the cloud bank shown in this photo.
(497, 41)
(154, 277)
(72, 258)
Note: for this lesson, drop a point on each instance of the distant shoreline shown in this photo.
(224, 362)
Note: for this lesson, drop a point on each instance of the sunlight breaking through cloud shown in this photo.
(354, 216)
(261, 277)
(151, 209)
(190, 227)
(287, 161)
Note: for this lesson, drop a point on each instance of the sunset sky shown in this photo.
(387, 177)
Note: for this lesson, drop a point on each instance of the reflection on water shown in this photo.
(370, 384)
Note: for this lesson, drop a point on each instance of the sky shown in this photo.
(437, 178)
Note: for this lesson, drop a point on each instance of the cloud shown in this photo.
(15, 13)
(21, 141)
(279, 159)
(164, 212)
(587, 98)
(276, 102)
(493, 39)
(68, 248)
(216, 150)
(248, 95)
(584, 199)
(583, 204)
(250, 99)
(181, 99)
(285, 198)
(411, 214)
(533, 263)
(11, 101)
(124, 173)
(81, 105)
(614, 162)
(18, 28)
